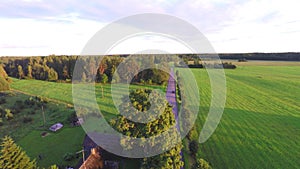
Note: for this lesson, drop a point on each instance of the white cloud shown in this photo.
(60, 35)
(149, 44)
(63, 27)
(260, 26)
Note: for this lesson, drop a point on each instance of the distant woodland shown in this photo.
(60, 68)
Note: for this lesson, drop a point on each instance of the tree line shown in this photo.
(100, 69)
(187, 117)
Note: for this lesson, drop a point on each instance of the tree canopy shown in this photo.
(140, 99)
(13, 157)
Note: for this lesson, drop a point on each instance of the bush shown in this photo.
(32, 112)
(19, 104)
(29, 102)
(228, 65)
(72, 118)
(192, 134)
(194, 146)
(8, 114)
(70, 106)
(27, 119)
(69, 156)
(2, 112)
(1, 121)
(2, 100)
(201, 164)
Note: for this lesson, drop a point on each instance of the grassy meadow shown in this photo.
(62, 92)
(28, 135)
(260, 127)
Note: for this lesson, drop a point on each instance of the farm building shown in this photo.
(56, 127)
(93, 161)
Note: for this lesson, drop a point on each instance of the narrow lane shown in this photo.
(171, 97)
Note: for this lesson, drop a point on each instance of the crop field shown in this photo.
(260, 126)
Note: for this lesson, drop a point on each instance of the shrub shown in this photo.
(70, 106)
(194, 146)
(192, 134)
(72, 118)
(16, 110)
(32, 112)
(8, 114)
(27, 119)
(29, 102)
(1, 121)
(69, 156)
(2, 112)
(2, 100)
(201, 164)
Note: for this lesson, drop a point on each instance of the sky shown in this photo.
(44, 27)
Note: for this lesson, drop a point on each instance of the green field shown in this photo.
(55, 145)
(260, 127)
(62, 92)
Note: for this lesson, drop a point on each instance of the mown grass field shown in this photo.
(63, 92)
(260, 127)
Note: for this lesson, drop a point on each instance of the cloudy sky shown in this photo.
(43, 27)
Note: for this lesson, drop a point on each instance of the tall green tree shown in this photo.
(52, 75)
(29, 71)
(20, 72)
(104, 79)
(65, 73)
(4, 81)
(140, 99)
(13, 157)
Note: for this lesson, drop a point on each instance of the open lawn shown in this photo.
(54, 146)
(28, 134)
(260, 127)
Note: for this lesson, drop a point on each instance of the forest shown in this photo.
(95, 68)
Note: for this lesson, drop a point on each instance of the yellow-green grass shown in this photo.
(63, 92)
(260, 127)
